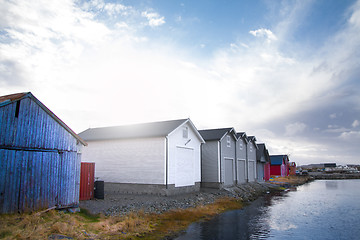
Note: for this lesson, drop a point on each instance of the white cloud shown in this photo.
(350, 136)
(356, 123)
(262, 32)
(301, 150)
(332, 116)
(111, 9)
(335, 129)
(294, 128)
(44, 37)
(154, 18)
(355, 17)
(92, 75)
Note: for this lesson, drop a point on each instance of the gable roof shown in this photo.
(253, 140)
(262, 151)
(8, 99)
(278, 159)
(142, 130)
(216, 134)
(242, 135)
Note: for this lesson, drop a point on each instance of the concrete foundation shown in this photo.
(153, 189)
(215, 185)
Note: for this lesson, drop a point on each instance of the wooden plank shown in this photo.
(3, 177)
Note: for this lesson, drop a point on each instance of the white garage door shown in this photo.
(185, 169)
(229, 172)
(241, 171)
(260, 172)
(251, 171)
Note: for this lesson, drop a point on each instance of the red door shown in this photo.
(267, 172)
(87, 178)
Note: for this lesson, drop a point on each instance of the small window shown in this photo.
(228, 143)
(186, 132)
(17, 109)
(241, 145)
(251, 148)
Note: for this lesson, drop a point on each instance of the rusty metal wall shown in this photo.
(39, 160)
(87, 179)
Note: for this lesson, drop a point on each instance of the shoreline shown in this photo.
(334, 176)
(139, 216)
(122, 204)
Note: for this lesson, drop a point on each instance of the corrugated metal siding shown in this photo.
(38, 180)
(87, 179)
(39, 160)
(33, 128)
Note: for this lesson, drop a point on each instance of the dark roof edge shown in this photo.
(56, 118)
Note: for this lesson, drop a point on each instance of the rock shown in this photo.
(58, 236)
(121, 204)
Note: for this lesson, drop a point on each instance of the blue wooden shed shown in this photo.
(40, 157)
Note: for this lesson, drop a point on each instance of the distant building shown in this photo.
(329, 165)
(241, 158)
(262, 163)
(292, 168)
(218, 157)
(251, 158)
(319, 166)
(40, 157)
(279, 165)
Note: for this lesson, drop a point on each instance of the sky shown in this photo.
(287, 72)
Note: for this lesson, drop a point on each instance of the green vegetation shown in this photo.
(135, 225)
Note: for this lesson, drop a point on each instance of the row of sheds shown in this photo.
(40, 157)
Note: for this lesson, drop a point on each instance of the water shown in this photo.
(323, 209)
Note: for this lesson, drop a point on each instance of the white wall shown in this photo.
(191, 172)
(128, 161)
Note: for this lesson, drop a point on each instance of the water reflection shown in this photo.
(327, 209)
(331, 185)
(247, 223)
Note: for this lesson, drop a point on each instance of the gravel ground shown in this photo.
(120, 204)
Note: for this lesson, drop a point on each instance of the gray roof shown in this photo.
(252, 138)
(143, 130)
(262, 150)
(214, 134)
(241, 134)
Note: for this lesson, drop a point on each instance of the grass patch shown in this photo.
(92, 218)
(4, 234)
(135, 225)
(292, 180)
